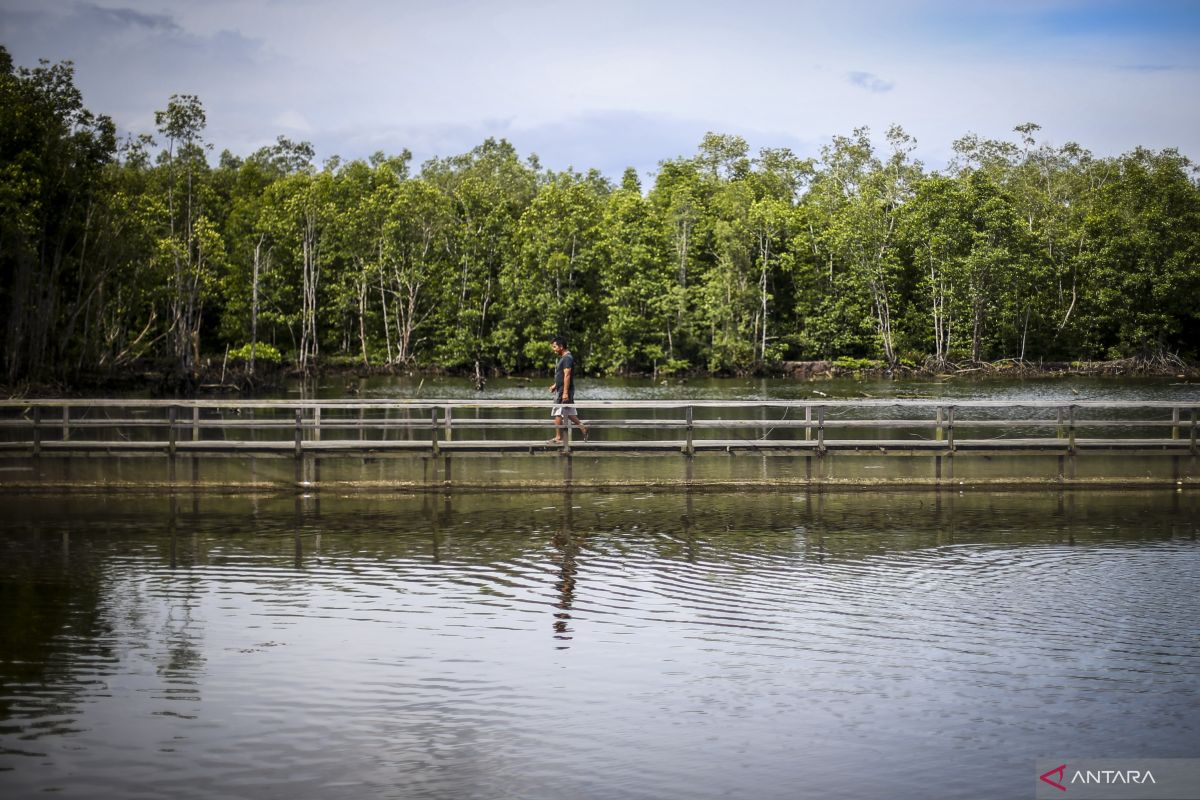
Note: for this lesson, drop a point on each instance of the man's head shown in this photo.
(559, 343)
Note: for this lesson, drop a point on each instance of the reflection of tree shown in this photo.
(182, 657)
(51, 598)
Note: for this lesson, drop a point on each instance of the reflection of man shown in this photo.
(566, 583)
(564, 391)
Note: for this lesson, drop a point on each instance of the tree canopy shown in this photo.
(116, 251)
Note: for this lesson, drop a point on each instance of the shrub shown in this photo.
(856, 364)
(263, 352)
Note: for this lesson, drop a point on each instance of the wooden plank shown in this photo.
(95, 423)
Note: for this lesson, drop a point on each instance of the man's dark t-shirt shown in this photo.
(566, 362)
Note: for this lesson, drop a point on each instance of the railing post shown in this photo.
(808, 423)
(172, 419)
(66, 436)
(938, 432)
(950, 428)
(1071, 428)
(690, 447)
(195, 423)
(316, 424)
(1175, 423)
(820, 429)
(37, 430)
(1058, 427)
(449, 422)
(434, 428)
(1193, 431)
(299, 435)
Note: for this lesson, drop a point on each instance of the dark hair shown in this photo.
(560, 340)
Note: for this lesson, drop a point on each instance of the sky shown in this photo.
(614, 84)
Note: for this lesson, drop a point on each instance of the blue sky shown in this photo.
(620, 83)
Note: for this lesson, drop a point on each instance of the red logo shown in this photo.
(1059, 770)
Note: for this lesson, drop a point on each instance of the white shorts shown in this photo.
(564, 411)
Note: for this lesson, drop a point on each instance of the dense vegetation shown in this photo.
(113, 252)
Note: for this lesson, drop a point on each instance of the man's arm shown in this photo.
(566, 392)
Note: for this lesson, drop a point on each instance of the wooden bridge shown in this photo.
(327, 426)
(310, 430)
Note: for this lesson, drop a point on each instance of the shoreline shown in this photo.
(228, 380)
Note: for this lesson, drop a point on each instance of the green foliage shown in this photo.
(729, 261)
(858, 364)
(54, 190)
(262, 352)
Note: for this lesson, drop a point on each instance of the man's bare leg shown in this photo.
(579, 423)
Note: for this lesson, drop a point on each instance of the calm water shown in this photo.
(1060, 389)
(774, 645)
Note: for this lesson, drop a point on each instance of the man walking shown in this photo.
(564, 391)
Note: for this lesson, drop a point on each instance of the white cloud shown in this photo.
(292, 120)
(870, 82)
(617, 83)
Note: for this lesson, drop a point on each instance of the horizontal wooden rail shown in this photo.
(402, 403)
(305, 426)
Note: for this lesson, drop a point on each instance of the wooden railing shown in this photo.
(312, 427)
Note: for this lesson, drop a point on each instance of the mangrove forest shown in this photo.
(156, 248)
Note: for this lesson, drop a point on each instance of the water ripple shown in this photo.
(635, 647)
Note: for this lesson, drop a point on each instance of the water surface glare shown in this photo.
(592, 645)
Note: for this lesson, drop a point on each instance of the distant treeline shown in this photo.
(113, 252)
